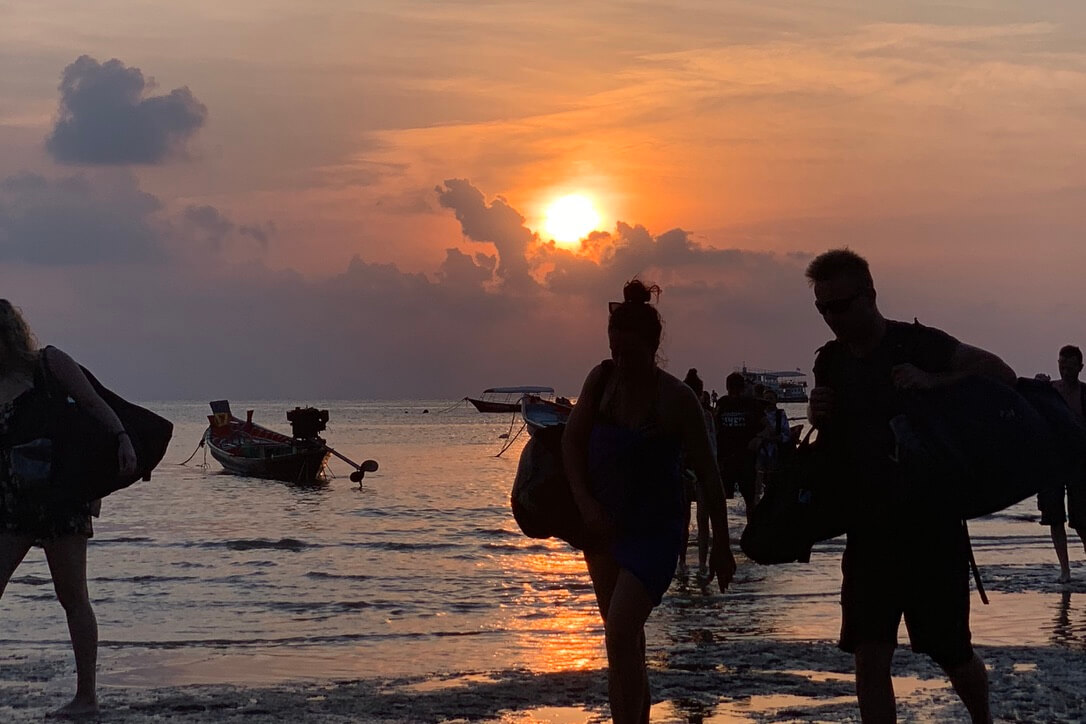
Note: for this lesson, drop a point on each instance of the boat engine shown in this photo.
(306, 422)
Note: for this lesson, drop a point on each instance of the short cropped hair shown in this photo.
(837, 262)
(1070, 350)
(735, 381)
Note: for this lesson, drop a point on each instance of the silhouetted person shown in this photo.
(775, 441)
(738, 419)
(694, 495)
(622, 455)
(906, 555)
(61, 529)
(1050, 498)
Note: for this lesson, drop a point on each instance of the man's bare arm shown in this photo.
(966, 361)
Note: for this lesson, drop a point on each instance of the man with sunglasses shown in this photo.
(906, 555)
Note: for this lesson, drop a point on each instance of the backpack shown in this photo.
(83, 457)
(803, 504)
(541, 498)
(985, 446)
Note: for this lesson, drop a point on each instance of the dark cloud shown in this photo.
(78, 220)
(235, 328)
(497, 223)
(261, 233)
(104, 117)
(209, 222)
(460, 270)
(104, 218)
(375, 330)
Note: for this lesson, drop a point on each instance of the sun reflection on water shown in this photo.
(561, 595)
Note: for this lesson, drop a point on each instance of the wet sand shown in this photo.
(704, 675)
(714, 682)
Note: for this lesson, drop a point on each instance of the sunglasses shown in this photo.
(837, 306)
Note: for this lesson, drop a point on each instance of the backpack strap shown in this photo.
(973, 565)
(44, 379)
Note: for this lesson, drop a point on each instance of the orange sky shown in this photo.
(943, 143)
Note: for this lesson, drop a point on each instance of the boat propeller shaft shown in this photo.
(367, 466)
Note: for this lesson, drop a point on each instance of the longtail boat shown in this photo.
(507, 399)
(243, 447)
(539, 413)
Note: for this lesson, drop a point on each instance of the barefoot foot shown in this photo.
(75, 709)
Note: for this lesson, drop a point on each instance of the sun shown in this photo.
(571, 218)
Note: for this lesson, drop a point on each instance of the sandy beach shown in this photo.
(711, 682)
(703, 668)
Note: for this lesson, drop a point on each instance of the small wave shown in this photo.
(493, 532)
(147, 579)
(32, 581)
(124, 539)
(362, 605)
(518, 548)
(283, 544)
(396, 546)
(217, 643)
(338, 576)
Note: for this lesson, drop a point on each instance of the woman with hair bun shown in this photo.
(61, 529)
(622, 451)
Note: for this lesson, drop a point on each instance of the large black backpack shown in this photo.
(983, 446)
(84, 453)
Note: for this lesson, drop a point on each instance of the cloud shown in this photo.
(209, 222)
(237, 328)
(77, 220)
(105, 118)
(261, 233)
(106, 218)
(496, 222)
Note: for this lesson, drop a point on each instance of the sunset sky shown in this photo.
(336, 199)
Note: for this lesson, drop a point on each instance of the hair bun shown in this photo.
(636, 292)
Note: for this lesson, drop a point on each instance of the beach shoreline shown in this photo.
(708, 681)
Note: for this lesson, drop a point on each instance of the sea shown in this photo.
(202, 577)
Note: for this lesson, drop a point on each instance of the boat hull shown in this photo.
(539, 413)
(301, 465)
(488, 406)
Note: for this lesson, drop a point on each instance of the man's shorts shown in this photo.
(916, 570)
(738, 472)
(1050, 503)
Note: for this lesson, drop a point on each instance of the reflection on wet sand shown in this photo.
(1065, 632)
(566, 634)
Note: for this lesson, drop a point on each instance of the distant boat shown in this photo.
(790, 385)
(539, 413)
(507, 399)
(243, 447)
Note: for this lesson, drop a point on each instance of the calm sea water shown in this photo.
(203, 577)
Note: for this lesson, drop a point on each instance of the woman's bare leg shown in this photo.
(625, 606)
(67, 558)
(628, 682)
(13, 550)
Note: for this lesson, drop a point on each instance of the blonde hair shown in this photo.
(18, 347)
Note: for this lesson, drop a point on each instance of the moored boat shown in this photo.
(790, 385)
(539, 413)
(507, 399)
(243, 447)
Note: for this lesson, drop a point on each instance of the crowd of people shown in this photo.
(906, 555)
(642, 446)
